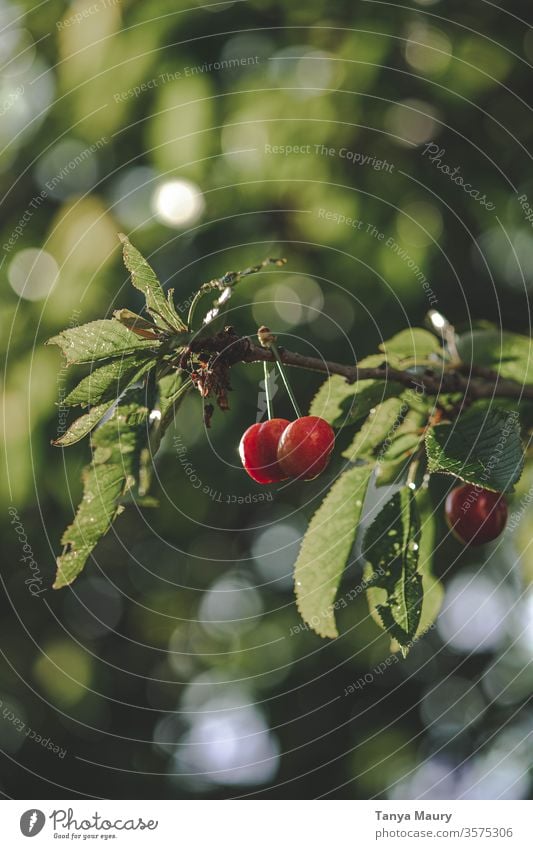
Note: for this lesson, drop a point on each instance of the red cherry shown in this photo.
(475, 515)
(305, 447)
(258, 450)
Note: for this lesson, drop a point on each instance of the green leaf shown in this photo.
(523, 408)
(431, 586)
(401, 446)
(121, 439)
(395, 453)
(390, 471)
(99, 340)
(379, 426)
(392, 432)
(326, 547)
(143, 277)
(482, 447)
(139, 325)
(102, 488)
(115, 469)
(391, 547)
(82, 426)
(107, 382)
(414, 344)
(170, 388)
(508, 354)
(341, 403)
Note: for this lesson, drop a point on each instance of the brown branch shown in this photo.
(468, 382)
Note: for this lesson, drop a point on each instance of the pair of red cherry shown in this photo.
(277, 449)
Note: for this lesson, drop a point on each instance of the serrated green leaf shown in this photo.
(508, 354)
(396, 453)
(414, 344)
(390, 471)
(482, 447)
(144, 278)
(117, 446)
(431, 586)
(369, 393)
(102, 487)
(419, 404)
(391, 547)
(379, 426)
(414, 420)
(83, 425)
(99, 340)
(169, 388)
(326, 547)
(172, 390)
(69, 566)
(401, 446)
(139, 325)
(107, 382)
(341, 403)
(392, 431)
(122, 438)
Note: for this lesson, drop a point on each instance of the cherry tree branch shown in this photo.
(433, 382)
(470, 381)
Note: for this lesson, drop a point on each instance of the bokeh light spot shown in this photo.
(178, 203)
(32, 274)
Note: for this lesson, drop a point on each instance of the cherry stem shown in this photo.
(285, 379)
(270, 410)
